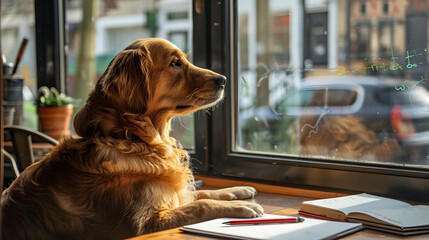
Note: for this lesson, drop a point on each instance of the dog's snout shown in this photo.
(221, 80)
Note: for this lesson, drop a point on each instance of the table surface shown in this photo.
(282, 205)
(35, 145)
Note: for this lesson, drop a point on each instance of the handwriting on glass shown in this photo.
(406, 86)
(315, 127)
(377, 68)
(406, 82)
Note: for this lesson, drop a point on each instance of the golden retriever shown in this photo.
(123, 175)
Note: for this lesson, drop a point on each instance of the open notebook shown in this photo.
(375, 212)
(307, 230)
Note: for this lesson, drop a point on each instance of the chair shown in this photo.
(9, 158)
(22, 142)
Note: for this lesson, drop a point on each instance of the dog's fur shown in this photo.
(124, 175)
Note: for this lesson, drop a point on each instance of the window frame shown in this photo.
(200, 39)
(51, 43)
(408, 182)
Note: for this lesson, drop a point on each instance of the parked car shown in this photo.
(391, 108)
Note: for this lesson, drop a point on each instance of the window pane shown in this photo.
(343, 80)
(118, 24)
(17, 23)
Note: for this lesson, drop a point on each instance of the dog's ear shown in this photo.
(123, 87)
(82, 121)
(126, 80)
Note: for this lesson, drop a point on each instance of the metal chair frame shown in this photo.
(23, 144)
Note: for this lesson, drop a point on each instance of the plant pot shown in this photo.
(55, 121)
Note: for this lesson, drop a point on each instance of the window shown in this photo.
(363, 37)
(386, 39)
(355, 121)
(277, 106)
(385, 8)
(363, 8)
(316, 52)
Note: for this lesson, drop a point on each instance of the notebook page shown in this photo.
(307, 230)
(357, 203)
(404, 217)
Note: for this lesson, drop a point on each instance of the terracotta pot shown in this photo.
(55, 121)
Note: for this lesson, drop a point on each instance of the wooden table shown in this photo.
(282, 205)
(34, 145)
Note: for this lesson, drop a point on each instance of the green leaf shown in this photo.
(51, 97)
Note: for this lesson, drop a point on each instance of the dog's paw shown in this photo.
(232, 193)
(243, 209)
(236, 193)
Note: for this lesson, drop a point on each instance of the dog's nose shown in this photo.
(221, 80)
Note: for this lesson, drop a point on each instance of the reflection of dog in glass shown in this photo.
(344, 137)
(341, 136)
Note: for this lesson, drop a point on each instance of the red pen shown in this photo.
(265, 221)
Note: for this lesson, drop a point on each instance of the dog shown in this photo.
(123, 175)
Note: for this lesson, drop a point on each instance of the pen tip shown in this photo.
(300, 219)
(227, 223)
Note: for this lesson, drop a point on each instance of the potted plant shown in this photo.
(55, 111)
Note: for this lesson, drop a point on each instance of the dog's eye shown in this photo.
(176, 64)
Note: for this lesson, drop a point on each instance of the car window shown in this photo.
(321, 97)
(298, 99)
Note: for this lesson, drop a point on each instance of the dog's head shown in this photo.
(150, 78)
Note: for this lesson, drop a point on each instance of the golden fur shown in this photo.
(123, 175)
